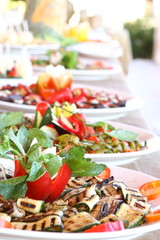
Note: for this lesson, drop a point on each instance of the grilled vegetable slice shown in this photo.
(109, 218)
(50, 223)
(30, 205)
(105, 206)
(140, 205)
(130, 214)
(79, 222)
(89, 201)
(129, 192)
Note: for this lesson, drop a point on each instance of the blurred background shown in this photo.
(134, 24)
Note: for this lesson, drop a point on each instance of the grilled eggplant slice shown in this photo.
(104, 207)
(79, 222)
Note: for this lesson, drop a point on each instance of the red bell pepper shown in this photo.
(42, 107)
(59, 183)
(79, 120)
(40, 188)
(19, 170)
(65, 94)
(21, 90)
(78, 97)
(5, 224)
(73, 130)
(107, 227)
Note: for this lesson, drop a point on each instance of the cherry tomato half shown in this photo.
(105, 174)
(151, 190)
(5, 224)
(153, 216)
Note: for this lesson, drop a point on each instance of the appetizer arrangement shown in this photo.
(67, 127)
(70, 60)
(56, 86)
(64, 191)
(10, 73)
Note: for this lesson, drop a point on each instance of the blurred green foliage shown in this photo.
(141, 34)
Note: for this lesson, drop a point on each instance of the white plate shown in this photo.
(87, 75)
(95, 75)
(98, 49)
(132, 179)
(153, 143)
(34, 48)
(132, 104)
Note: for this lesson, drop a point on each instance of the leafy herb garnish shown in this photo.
(10, 119)
(13, 188)
(79, 165)
(123, 135)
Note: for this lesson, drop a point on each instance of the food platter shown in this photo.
(31, 48)
(95, 75)
(98, 49)
(87, 75)
(131, 178)
(153, 143)
(133, 103)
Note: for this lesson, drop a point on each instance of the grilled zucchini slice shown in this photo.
(30, 205)
(140, 205)
(89, 200)
(130, 214)
(49, 223)
(79, 222)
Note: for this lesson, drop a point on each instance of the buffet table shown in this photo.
(148, 164)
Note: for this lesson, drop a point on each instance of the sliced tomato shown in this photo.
(42, 107)
(107, 227)
(105, 174)
(151, 190)
(40, 188)
(153, 216)
(5, 224)
(59, 183)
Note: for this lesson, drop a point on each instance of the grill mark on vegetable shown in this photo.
(34, 227)
(43, 225)
(28, 205)
(24, 227)
(103, 210)
(52, 221)
(138, 205)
